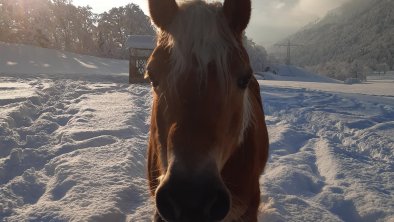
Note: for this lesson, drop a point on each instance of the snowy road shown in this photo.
(74, 150)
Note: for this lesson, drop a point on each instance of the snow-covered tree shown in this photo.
(60, 24)
(115, 26)
(257, 55)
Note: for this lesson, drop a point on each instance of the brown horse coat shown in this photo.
(208, 145)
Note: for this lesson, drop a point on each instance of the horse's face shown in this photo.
(199, 123)
(200, 106)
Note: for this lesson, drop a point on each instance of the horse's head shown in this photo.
(200, 73)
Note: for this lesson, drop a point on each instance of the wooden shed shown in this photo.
(140, 48)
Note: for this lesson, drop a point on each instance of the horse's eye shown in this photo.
(244, 81)
(154, 82)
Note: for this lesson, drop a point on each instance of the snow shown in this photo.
(73, 149)
(78, 147)
(378, 89)
(331, 157)
(292, 73)
(352, 81)
(22, 59)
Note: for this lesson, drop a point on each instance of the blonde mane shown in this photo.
(199, 34)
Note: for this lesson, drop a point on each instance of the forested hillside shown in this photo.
(352, 40)
(59, 24)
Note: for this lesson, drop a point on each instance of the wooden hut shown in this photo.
(140, 48)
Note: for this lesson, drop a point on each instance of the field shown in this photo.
(73, 138)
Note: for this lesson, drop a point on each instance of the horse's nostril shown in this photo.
(201, 203)
(220, 206)
(165, 204)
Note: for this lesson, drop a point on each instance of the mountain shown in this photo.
(352, 40)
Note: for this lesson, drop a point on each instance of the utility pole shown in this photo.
(289, 45)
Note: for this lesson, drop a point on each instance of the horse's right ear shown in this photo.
(163, 12)
(237, 13)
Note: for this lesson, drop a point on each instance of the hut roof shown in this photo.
(141, 42)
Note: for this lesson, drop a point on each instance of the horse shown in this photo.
(208, 141)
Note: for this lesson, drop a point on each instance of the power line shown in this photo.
(289, 45)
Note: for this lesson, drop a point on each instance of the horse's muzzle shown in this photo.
(201, 199)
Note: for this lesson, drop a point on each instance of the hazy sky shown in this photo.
(272, 20)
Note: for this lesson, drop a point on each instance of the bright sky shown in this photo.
(272, 20)
(99, 6)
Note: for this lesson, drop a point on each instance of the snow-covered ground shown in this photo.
(292, 73)
(73, 149)
(331, 156)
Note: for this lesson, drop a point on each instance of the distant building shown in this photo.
(140, 48)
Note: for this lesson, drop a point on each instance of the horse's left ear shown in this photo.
(237, 13)
(163, 12)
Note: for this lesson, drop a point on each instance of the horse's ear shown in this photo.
(237, 13)
(163, 12)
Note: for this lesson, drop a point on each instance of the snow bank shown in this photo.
(24, 59)
(378, 90)
(352, 81)
(292, 73)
